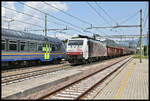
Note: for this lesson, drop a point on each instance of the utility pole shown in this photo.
(140, 35)
(47, 48)
(45, 25)
(147, 42)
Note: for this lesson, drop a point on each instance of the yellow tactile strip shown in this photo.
(136, 87)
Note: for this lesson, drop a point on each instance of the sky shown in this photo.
(109, 14)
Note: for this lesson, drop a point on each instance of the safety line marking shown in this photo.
(129, 72)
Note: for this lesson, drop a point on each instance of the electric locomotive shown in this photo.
(84, 49)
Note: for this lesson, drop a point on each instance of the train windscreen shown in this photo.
(75, 42)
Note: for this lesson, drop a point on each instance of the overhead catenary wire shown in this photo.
(145, 21)
(130, 17)
(68, 14)
(24, 13)
(23, 22)
(105, 34)
(98, 13)
(39, 18)
(145, 16)
(145, 13)
(52, 16)
(35, 17)
(106, 13)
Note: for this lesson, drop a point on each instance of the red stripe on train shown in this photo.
(74, 53)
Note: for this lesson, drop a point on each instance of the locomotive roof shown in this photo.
(26, 35)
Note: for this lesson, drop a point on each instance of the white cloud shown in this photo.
(6, 12)
(59, 5)
(62, 36)
(21, 17)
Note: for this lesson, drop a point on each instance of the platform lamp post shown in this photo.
(9, 22)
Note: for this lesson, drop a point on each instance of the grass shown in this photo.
(138, 56)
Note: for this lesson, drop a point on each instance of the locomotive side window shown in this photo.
(23, 46)
(32, 46)
(75, 42)
(13, 45)
(3, 45)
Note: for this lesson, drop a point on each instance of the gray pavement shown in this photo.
(24, 88)
(129, 82)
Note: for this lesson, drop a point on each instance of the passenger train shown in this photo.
(25, 48)
(84, 49)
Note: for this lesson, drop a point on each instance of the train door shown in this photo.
(90, 48)
(47, 50)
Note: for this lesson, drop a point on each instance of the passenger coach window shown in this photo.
(53, 48)
(58, 46)
(3, 45)
(40, 47)
(23, 46)
(32, 46)
(13, 45)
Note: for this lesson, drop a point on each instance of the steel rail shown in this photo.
(21, 76)
(60, 93)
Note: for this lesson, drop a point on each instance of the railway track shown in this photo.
(18, 77)
(81, 87)
(28, 73)
(31, 67)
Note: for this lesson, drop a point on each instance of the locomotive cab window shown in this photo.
(13, 45)
(75, 42)
(3, 45)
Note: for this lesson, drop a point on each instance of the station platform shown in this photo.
(26, 87)
(129, 82)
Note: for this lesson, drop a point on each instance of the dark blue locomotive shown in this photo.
(25, 48)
